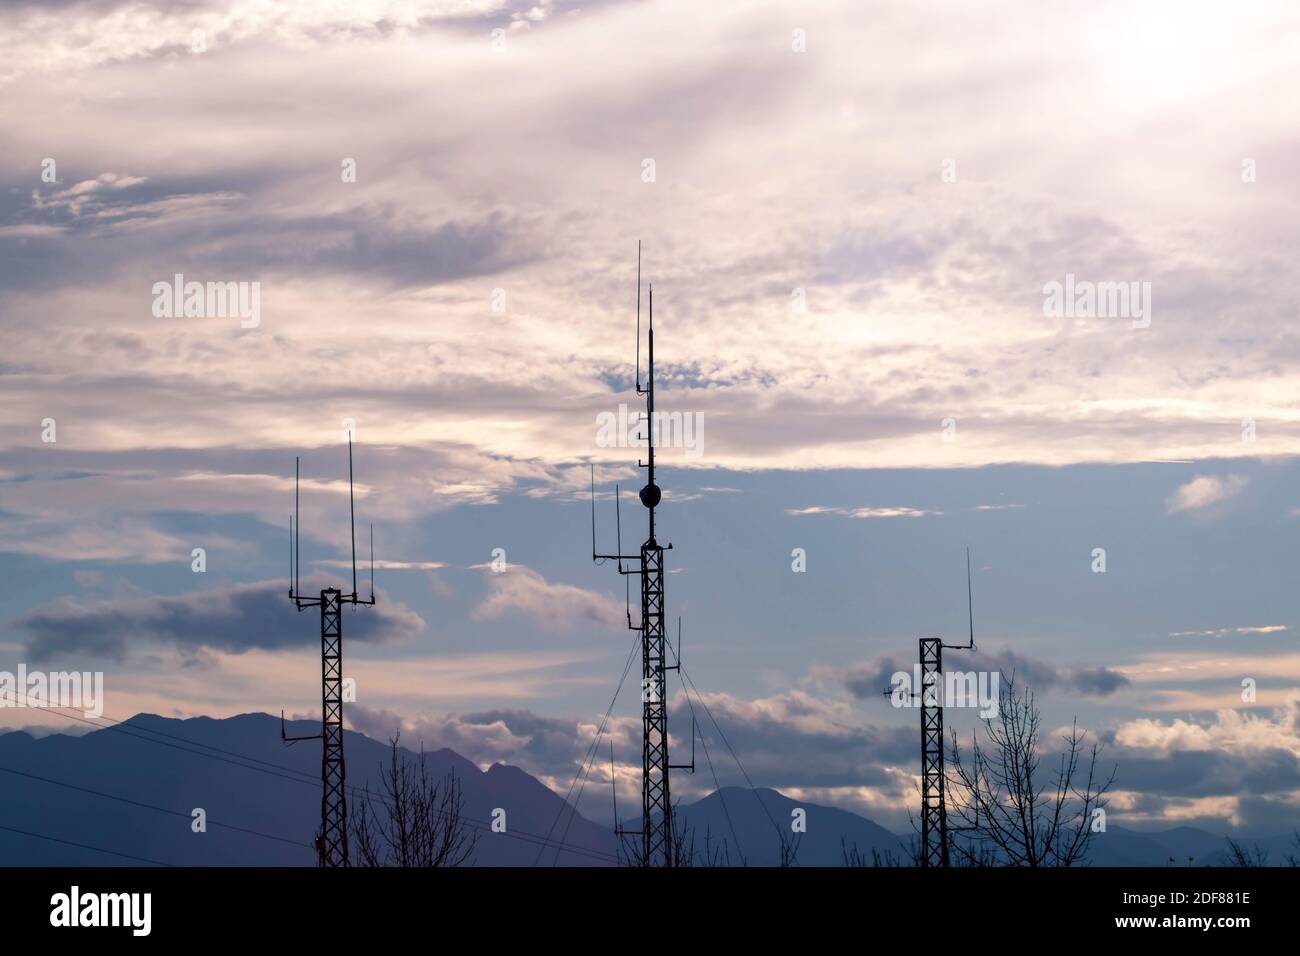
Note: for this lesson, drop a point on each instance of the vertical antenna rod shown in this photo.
(613, 784)
(297, 523)
(970, 603)
(593, 511)
(638, 316)
(352, 516)
(650, 405)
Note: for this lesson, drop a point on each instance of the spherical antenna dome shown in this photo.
(650, 495)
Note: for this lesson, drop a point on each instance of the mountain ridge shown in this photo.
(141, 780)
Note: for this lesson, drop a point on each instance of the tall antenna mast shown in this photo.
(352, 516)
(297, 552)
(934, 805)
(332, 840)
(656, 833)
(650, 493)
(638, 316)
(970, 604)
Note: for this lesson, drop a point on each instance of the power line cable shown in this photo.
(717, 786)
(300, 777)
(723, 737)
(84, 846)
(583, 770)
(149, 806)
(591, 762)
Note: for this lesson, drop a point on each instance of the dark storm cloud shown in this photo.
(871, 678)
(796, 739)
(240, 618)
(1209, 773)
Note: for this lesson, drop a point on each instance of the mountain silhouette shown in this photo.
(239, 773)
(751, 820)
(133, 789)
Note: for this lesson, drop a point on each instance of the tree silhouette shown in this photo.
(1005, 809)
(852, 856)
(1243, 854)
(714, 853)
(414, 821)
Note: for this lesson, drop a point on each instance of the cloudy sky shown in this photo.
(852, 218)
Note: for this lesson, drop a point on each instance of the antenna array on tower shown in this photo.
(656, 833)
(332, 840)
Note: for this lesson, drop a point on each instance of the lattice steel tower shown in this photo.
(934, 807)
(332, 840)
(656, 798)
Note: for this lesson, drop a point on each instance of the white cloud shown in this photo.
(1205, 490)
(555, 607)
(1230, 731)
(888, 512)
(363, 564)
(1225, 631)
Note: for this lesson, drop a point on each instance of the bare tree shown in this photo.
(1243, 854)
(1240, 853)
(414, 821)
(1004, 808)
(714, 853)
(855, 857)
(789, 850)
